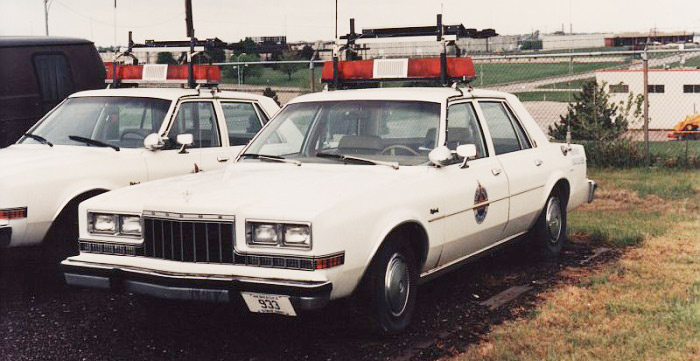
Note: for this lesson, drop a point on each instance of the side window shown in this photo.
(503, 134)
(464, 128)
(242, 122)
(54, 76)
(522, 136)
(198, 119)
(263, 116)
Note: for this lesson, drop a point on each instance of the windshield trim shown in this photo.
(441, 115)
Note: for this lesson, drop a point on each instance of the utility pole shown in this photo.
(645, 59)
(115, 23)
(46, 16)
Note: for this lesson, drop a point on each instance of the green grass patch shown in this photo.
(573, 84)
(668, 184)
(499, 73)
(563, 96)
(266, 75)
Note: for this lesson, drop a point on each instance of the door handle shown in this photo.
(496, 171)
(538, 162)
(222, 159)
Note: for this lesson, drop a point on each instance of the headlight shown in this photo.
(103, 223)
(278, 234)
(114, 224)
(297, 236)
(130, 225)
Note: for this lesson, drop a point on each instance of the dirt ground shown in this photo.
(40, 319)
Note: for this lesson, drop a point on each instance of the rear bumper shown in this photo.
(592, 186)
(303, 295)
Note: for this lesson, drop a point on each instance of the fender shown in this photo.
(80, 188)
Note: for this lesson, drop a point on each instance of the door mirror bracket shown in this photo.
(154, 142)
(185, 140)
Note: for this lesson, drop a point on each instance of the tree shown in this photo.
(352, 55)
(593, 117)
(268, 92)
(248, 46)
(166, 58)
(307, 53)
(288, 68)
(232, 72)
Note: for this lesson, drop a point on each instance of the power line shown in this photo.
(106, 23)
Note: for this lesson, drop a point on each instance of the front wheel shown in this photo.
(549, 232)
(391, 287)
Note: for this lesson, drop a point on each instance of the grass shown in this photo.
(573, 84)
(276, 78)
(499, 73)
(646, 306)
(563, 96)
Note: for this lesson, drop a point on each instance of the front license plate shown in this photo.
(265, 303)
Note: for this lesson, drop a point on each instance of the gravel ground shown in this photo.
(40, 319)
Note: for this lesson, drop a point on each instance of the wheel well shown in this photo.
(417, 239)
(564, 188)
(79, 198)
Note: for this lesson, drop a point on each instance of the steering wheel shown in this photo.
(138, 133)
(399, 146)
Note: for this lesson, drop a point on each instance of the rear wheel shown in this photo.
(391, 286)
(549, 233)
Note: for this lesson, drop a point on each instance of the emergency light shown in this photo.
(373, 70)
(162, 73)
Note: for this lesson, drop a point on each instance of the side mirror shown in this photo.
(466, 151)
(153, 142)
(440, 156)
(184, 140)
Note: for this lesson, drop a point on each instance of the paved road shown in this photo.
(40, 319)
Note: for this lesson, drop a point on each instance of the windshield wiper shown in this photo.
(94, 142)
(272, 158)
(39, 139)
(350, 158)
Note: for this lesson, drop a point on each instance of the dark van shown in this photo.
(37, 73)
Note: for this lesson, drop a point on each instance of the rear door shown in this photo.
(524, 167)
(243, 120)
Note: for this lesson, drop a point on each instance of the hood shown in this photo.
(271, 189)
(27, 160)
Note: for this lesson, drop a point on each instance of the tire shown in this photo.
(61, 240)
(390, 287)
(549, 232)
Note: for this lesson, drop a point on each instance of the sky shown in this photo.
(310, 20)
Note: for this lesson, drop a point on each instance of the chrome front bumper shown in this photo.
(303, 295)
(592, 186)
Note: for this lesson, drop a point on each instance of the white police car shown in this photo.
(100, 140)
(349, 192)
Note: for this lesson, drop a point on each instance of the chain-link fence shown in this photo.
(598, 97)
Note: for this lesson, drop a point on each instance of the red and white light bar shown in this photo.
(398, 69)
(162, 73)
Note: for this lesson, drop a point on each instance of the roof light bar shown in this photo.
(157, 73)
(375, 70)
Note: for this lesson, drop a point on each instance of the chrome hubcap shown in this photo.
(397, 286)
(553, 219)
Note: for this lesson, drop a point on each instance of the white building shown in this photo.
(673, 93)
(576, 41)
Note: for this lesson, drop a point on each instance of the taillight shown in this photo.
(13, 213)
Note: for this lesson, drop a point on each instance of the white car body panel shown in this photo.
(352, 208)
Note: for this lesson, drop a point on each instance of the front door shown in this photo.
(476, 209)
(198, 118)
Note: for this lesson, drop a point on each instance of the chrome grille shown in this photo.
(206, 241)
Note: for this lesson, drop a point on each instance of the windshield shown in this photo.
(387, 131)
(119, 121)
